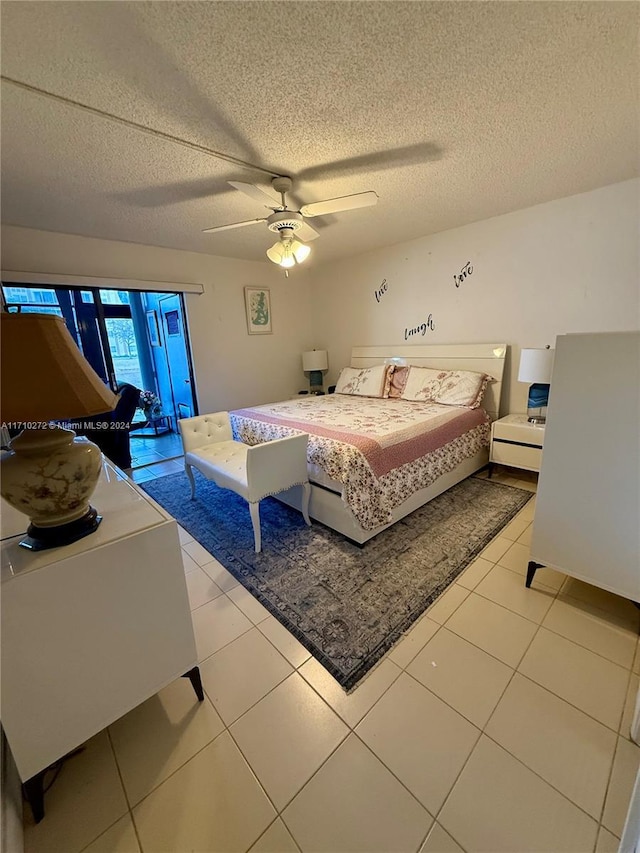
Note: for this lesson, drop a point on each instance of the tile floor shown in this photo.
(150, 450)
(500, 722)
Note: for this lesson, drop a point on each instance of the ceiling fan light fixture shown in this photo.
(288, 251)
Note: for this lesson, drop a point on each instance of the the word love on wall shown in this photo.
(466, 271)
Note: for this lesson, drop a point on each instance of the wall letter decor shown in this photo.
(422, 329)
(381, 290)
(466, 270)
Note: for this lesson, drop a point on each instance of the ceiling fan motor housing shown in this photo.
(285, 219)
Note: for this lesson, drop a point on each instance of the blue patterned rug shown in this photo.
(345, 603)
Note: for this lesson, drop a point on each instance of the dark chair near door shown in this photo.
(113, 440)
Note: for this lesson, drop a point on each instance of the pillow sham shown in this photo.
(422, 384)
(463, 388)
(447, 387)
(364, 381)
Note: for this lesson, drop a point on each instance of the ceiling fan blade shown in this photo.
(335, 205)
(306, 232)
(256, 194)
(233, 225)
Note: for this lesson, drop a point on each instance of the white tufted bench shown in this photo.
(253, 472)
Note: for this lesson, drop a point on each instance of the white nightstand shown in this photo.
(517, 443)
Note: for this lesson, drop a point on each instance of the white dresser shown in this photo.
(92, 629)
(586, 522)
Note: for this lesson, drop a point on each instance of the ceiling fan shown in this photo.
(289, 251)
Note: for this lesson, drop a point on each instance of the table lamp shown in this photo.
(535, 367)
(47, 474)
(313, 363)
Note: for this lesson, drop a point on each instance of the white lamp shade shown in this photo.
(315, 360)
(536, 366)
(276, 253)
(301, 251)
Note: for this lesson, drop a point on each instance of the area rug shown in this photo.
(347, 604)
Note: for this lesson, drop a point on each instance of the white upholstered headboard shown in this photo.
(483, 358)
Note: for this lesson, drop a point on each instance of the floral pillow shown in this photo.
(423, 383)
(448, 387)
(364, 381)
(463, 388)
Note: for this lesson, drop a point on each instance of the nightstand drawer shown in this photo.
(516, 455)
(522, 432)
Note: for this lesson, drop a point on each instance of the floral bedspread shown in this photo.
(380, 450)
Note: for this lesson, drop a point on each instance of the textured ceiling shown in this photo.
(451, 111)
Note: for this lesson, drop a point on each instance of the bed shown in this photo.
(373, 459)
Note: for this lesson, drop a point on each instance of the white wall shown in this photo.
(566, 266)
(232, 369)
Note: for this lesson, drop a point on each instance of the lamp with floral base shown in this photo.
(48, 474)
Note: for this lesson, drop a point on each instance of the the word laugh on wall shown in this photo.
(421, 329)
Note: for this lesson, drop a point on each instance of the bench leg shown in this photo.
(306, 494)
(189, 473)
(254, 509)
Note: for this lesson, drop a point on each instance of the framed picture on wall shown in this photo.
(258, 306)
(152, 326)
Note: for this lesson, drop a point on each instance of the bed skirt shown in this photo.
(327, 506)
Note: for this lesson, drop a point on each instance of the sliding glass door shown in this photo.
(128, 336)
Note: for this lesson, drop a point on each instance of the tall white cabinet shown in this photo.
(587, 518)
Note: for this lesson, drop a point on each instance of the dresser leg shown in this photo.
(490, 472)
(34, 792)
(531, 570)
(196, 682)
